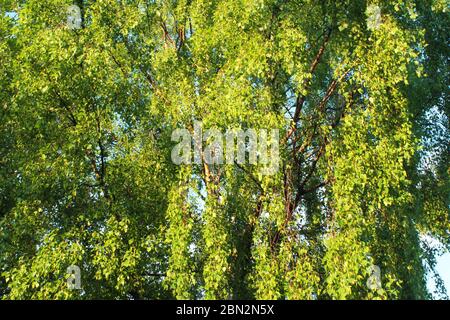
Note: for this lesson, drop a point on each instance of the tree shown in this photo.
(357, 90)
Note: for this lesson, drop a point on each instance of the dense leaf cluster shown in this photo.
(357, 89)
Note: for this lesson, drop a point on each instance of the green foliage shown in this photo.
(357, 90)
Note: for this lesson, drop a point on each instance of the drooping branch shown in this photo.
(307, 82)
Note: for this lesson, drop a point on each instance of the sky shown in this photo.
(443, 268)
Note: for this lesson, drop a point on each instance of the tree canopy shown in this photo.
(358, 90)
